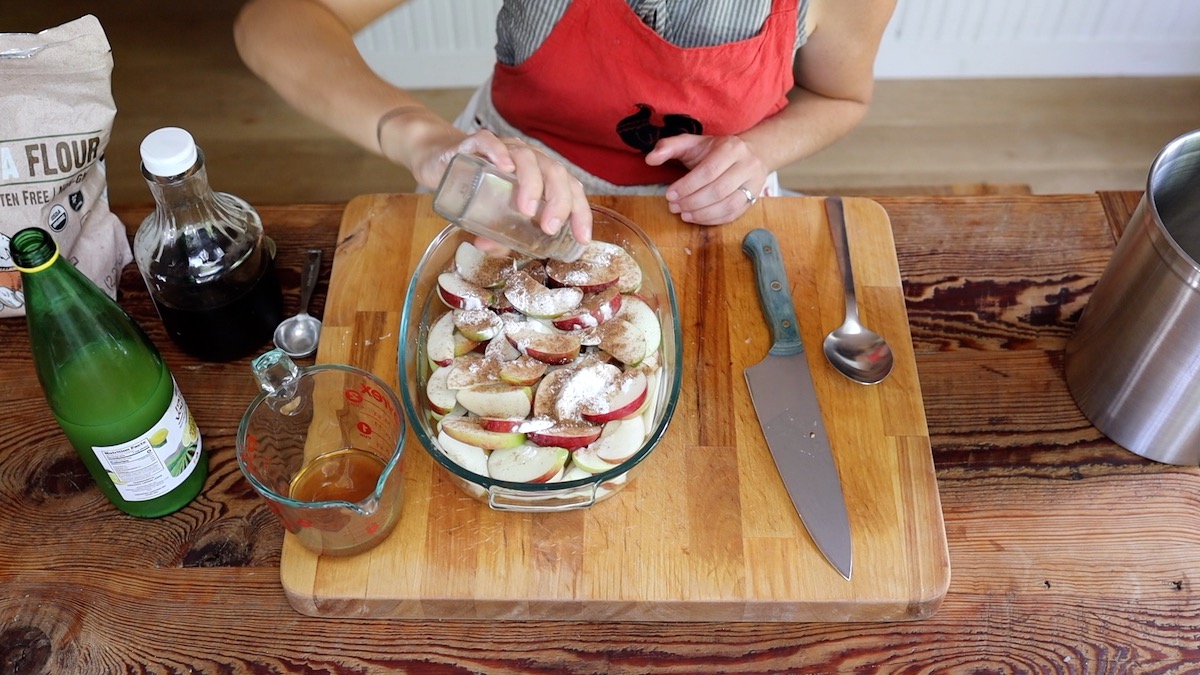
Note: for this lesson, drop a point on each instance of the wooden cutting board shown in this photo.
(705, 531)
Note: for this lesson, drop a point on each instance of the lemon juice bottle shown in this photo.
(108, 386)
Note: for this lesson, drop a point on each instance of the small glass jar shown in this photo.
(478, 197)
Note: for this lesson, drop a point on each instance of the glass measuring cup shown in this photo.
(322, 445)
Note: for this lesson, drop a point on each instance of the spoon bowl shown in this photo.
(853, 349)
(297, 336)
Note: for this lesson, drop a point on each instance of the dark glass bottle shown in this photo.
(203, 254)
(107, 386)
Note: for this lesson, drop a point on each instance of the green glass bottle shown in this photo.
(108, 386)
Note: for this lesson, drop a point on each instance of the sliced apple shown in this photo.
(653, 377)
(566, 435)
(469, 430)
(637, 311)
(497, 400)
(585, 458)
(481, 269)
(441, 398)
(625, 397)
(470, 457)
(575, 472)
(593, 310)
(471, 370)
(620, 440)
(439, 343)
(537, 271)
(586, 386)
(606, 254)
(522, 425)
(555, 348)
(535, 299)
(524, 371)
(527, 463)
(623, 341)
(458, 293)
(500, 349)
(585, 275)
(545, 397)
(479, 325)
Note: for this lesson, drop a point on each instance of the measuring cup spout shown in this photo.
(367, 507)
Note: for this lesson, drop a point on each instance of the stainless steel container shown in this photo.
(1133, 363)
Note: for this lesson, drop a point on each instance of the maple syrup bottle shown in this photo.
(208, 265)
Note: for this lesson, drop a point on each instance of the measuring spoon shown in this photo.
(298, 335)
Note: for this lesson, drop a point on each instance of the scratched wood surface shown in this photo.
(1069, 554)
(705, 532)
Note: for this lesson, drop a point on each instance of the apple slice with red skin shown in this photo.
(440, 397)
(621, 440)
(595, 309)
(587, 276)
(566, 435)
(480, 268)
(522, 371)
(625, 397)
(470, 431)
(534, 299)
(607, 254)
(522, 425)
(470, 457)
(588, 382)
(478, 325)
(497, 400)
(552, 348)
(458, 293)
(527, 463)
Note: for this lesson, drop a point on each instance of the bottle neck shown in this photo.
(187, 191)
(33, 250)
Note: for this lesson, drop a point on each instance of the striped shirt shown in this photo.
(523, 25)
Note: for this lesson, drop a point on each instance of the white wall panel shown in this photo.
(449, 43)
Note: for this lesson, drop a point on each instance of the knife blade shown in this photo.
(785, 400)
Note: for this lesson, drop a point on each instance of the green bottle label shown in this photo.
(158, 460)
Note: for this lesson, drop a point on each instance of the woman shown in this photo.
(698, 100)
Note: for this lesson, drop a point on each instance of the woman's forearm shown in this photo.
(306, 52)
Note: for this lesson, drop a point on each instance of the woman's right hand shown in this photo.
(540, 178)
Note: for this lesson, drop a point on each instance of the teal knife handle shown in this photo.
(774, 292)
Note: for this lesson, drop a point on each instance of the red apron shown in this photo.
(604, 88)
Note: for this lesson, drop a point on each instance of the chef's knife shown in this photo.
(785, 400)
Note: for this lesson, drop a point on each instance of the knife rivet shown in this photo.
(785, 323)
(775, 285)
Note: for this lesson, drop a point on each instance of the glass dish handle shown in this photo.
(566, 499)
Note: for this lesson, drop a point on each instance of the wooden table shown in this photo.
(1069, 554)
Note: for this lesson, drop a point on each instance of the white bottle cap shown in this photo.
(169, 151)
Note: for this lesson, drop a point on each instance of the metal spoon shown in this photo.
(297, 336)
(853, 349)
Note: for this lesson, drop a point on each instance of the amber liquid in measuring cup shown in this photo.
(347, 475)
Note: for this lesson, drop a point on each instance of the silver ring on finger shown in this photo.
(750, 196)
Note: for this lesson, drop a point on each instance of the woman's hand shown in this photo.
(546, 191)
(726, 177)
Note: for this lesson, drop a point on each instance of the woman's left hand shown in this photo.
(726, 177)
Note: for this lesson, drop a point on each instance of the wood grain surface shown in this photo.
(705, 532)
(1069, 554)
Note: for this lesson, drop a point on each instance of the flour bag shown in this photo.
(56, 116)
